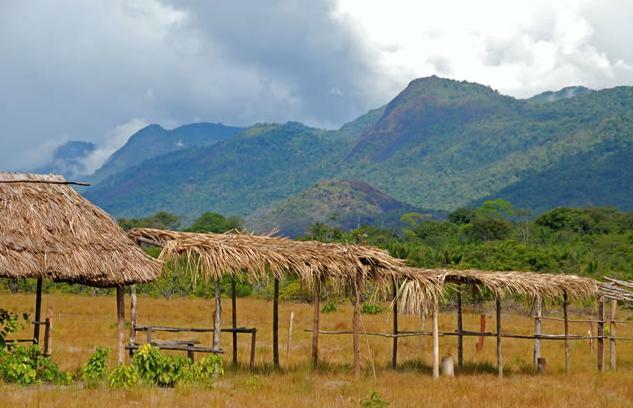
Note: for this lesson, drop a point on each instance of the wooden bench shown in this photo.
(190, 346)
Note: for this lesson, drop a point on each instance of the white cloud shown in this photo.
(113, 140)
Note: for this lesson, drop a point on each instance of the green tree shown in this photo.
(216, 223)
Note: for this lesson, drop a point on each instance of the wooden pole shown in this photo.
(436, 341)
(133, 301)
(601, 317)
(566, 318)
(217, 321)
(48, 333)
(288, 346)
(612, 354)
(394, 353)
(276, 323)
(316, 311)
(356, 327)
(38, 311)
(460, 329)
(499, 351)
(538, 305)
(234, 318)
(120, 308)
(422, 324)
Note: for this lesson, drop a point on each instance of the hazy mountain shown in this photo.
(565, 93)
(69, 160)
(340, 203)
(439, 144)
(154, 140)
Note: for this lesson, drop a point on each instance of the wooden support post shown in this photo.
(133, 301)
(234, 318)
(436, 341)
(612, 354)
(48, 333)
(601, 318)
(276, 323)
(538, 305)
(566, 318)
(356, 326)
(460, 329)
(394, 353)
(499, 351)
(289, 345)
(120, 308)
(252, 360)
(38, 311)
(217, 321)
(316, 311)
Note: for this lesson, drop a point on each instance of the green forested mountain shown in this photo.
(344, 204)
(439, 144)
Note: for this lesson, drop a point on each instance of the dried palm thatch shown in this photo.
(500, 283)
(257, 257)
(49, 230)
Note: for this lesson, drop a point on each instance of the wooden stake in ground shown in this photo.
(217, 321)
(612, 355)
(133, 301)
(38, 311)
(48, 333)
(482, 328)
(120, 308)
(436, 341)
(460, 329)
(276, 323)
(566, 319)
(601, 318)
(290, 324)
(499, 351)
(538, 306)
(394, 353)
(316, 312)
(234, 319)
(356, 326)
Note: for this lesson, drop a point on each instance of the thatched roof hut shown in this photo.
(48, 230)
(259, 257)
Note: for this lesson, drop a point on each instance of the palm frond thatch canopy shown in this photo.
(49, 230)
(530, 284)
(259, 257)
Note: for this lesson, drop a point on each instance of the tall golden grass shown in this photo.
(82, 323)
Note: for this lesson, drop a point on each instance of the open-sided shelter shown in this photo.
(49, 231)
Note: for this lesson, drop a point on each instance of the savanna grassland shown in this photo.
(85, 322)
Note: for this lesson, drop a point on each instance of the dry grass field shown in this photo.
(83, 323)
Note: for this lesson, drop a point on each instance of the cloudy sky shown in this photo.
(99, 70)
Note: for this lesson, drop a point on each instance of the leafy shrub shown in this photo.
(211, 367)
(96, 369)
(9, 323)
(370, 308)
(124, 376)
(149, 363)
(374, 401)
(25, 366)
(329, 307)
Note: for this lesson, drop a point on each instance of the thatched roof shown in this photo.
(47, 229)
(259, 257)
(500, 283)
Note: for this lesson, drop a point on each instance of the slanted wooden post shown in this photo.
(234, 318)
(394, 353)
(601, 318)
(133, 301)
(120, 308)
(316, 311)
(460, 329)
(48, 332)
(499, 351)
(217, 320)
(538, 306)
(566, 319)
(276, 323)
(436, 341)
(612, 355)
(289, 344)
(356, 326)
(38, 311)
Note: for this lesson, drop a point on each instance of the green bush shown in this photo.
(124, 376)
(370, 308)
(96, 369)
(24, 366)
(374, 401)
(329, 307)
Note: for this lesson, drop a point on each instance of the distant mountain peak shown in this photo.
(69, 159)
(563, 93)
